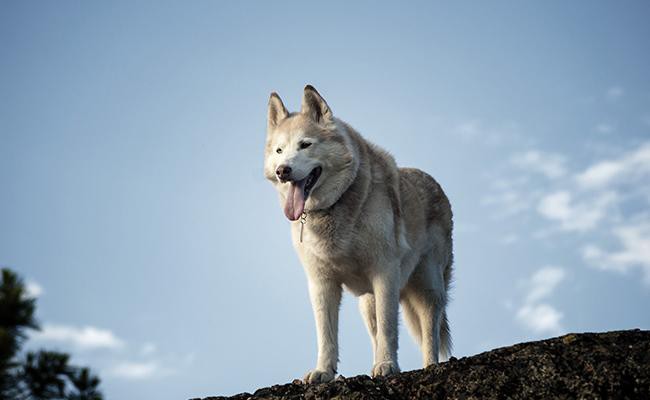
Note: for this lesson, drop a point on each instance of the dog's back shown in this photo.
(424, 204)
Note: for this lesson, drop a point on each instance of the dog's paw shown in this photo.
(318, 376)
(385, 368)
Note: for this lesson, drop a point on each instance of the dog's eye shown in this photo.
(304, 145)
(278, 150)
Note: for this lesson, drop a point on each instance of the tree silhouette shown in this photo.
(44, 374)
(16, 316)
(85, 384)
(38, 375)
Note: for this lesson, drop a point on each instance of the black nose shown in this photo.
(283, 172)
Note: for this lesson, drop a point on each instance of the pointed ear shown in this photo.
(277, 111)
(315, 106)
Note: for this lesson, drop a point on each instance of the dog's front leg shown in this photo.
(386, 292)
(325, 300)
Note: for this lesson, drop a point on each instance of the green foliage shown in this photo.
(44, 374)
(16, 315)
(85, 384)
(38, 375)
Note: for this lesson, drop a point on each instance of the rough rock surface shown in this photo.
(586, 366)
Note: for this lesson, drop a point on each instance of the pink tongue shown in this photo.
(295, 204)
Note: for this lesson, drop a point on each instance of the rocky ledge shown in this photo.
(585, 365)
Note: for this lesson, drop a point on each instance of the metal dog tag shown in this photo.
(303, 220)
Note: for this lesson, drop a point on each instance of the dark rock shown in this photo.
(586, 365)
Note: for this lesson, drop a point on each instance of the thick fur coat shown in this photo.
(361, 223)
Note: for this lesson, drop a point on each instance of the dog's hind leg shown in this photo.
(368, 312)
(408, 300)
(426, 294)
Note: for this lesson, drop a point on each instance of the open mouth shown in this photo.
(298, 193)
(311, 179)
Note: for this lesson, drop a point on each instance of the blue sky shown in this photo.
(133, 199)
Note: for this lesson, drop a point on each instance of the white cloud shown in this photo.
(34, 289)
(634, 252)
(543, 282)
(141, 370)
(614, 93)
(598, 203)
(631, 166)
(509, 198)
(540, 318)
(575, 216)
(509, 202)
(478, 133)
(548, 164)
(136, 370)
(88, 337)
(556, 206)
(600, 174)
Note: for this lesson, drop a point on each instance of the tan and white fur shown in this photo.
(382, 232)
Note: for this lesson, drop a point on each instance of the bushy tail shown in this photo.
(445, 332)
(445, 338)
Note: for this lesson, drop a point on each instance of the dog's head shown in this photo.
(309, 156)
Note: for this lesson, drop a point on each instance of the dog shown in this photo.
(361, 223)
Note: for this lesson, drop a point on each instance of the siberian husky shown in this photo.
(361, 223)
